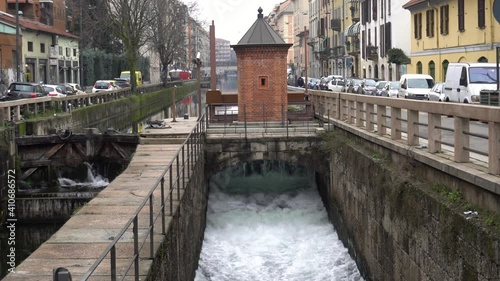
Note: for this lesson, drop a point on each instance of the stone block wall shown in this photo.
(399, 227)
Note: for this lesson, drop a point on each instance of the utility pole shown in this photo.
(18, 49)
(80, 47)
(197, 62)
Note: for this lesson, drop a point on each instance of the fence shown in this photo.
(462, 128)
(11, 111)
(173, 178)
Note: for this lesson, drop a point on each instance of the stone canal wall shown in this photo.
(7, 157)
(177, 257)
(403, 220)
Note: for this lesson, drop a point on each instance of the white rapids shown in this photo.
(272, 236)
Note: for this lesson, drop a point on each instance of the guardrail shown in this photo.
(11, 111)
(384, 114)
(179, 169)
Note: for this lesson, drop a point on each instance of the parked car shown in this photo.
(464, 81)
(354, 85)
(104, 85)
(379, 87)
(437, 92)
(415, 86)
(122, 82)
(390, 89)
(367, 87)
(67, 89)
(53, 90)
(22, 90)
(336, 85)
(77, 89)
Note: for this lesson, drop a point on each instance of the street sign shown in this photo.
(496, 10)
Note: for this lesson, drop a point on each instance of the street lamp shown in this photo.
(18, 49)
(197, 62)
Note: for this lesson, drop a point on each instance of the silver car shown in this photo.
(437, 92)
(390, 89)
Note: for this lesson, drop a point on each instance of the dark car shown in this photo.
(368, 87)
(122, 82)
(67, 89)
(22, 90)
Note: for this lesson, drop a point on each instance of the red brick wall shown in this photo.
(262, 103)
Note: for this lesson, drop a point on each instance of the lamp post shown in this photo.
(197, 62)
(18, 49)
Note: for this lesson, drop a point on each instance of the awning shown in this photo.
(353, 29)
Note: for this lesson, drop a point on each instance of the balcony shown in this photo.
(335, 24)
(372, 52)
(352, 48)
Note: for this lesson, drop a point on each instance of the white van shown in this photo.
(415, 86)
(464, 81)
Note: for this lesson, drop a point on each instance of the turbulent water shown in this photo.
(93, 180)
(279, 234)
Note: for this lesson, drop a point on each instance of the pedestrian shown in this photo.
(300, 82)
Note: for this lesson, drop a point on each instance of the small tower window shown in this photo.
(263, 82)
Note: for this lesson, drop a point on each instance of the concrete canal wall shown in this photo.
(404, 220)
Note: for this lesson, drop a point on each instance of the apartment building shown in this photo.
(451, 31)
(385, 24)
(49, 51)
(281, 20)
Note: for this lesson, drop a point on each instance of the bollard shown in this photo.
(61, 274)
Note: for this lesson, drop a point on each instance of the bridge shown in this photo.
(138, 224)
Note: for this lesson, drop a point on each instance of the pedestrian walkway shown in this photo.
(84, 237)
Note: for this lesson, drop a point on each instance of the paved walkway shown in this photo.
(83, 238)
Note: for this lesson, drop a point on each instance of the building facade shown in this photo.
(49, 53)
(281, 20)
(379, 33)
(300, 26)
(451, 31)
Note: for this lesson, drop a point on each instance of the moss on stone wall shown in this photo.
(416, 214)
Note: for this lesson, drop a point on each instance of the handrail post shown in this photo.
(183, 169)
(171, 191)
(461, 139)
(162, 188)
(136, 248)
(494, 148)
(412, 138)
(113, 262)
(395, 123)
(434, 133)
(178, 179)
(152, 227)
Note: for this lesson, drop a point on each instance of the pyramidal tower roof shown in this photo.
(261, 34)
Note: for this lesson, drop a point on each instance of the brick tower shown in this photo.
(262, 73)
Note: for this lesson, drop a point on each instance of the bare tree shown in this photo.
(168, 32)
(130, 21)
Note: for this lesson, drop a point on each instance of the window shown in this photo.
(374, 10)
(461, 16)
(74, 52)
(417, 25)
(481, 22)
(432, 69)
(60, 51)
(419, 68)
(68, 52)
(444, 19)
(30, 46)
(42, 47)
(264, 82)
(445, 69)
(429, 28)
(482, 59)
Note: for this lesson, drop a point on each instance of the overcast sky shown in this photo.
(232, 18)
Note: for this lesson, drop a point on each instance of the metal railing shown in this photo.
(172, 179)
(265, 118)
(459, 127)
(16, 109)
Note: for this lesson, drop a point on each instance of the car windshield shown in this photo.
(483, 75)
(380, 85)
(420, 83)
(102, 84)
(125, 76)
(356, 82)
(369, 82)
(394, 85)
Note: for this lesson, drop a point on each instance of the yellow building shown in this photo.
(451, 31)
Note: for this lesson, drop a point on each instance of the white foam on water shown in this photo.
(272, 236)
(93, 180)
